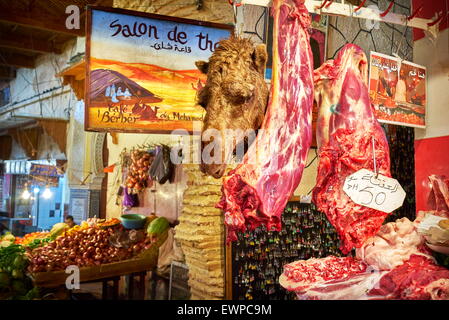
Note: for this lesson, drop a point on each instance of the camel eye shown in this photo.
(202, 98)
(239, 99)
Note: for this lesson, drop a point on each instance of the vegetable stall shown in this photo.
(102, 249)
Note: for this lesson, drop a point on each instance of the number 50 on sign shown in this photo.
(377, 192)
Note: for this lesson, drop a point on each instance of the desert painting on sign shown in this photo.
(141, 73)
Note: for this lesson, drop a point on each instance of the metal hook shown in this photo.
(360, 6)
(232, 3)
(322, 4)
(234, 7)
(383, 14)
(415, 13)
(399, 46)
(330, 2)
(440, 17)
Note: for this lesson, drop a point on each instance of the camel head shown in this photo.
(235, 97)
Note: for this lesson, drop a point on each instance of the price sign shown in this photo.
(381, 193)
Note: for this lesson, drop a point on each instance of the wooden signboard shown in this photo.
(45, 170)
(140, 70)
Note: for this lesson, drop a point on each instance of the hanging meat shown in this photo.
(439, 194)
(257, 191)
(346, 131)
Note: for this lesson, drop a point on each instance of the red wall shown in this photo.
(431, 157)
(428, 12)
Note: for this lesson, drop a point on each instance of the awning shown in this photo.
(29, 138)
(74, 76)
(57, 129)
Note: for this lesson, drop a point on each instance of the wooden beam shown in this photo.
(41, 22)
(3, 84)
(104, 3)
(17, 60)
(26, 44)
(99, 3)
(7, 73)
(74, 76)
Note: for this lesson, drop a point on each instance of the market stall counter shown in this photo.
(110, 272)
(103, 251)
(146, 261)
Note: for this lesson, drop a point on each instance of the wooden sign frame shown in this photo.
(154, 124)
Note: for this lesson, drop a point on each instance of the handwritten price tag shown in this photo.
(381, 193)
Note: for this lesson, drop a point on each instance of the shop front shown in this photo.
(34, 195)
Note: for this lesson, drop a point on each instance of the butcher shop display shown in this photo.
(235, 97)
(257, 191)
(434, 222)
(439, 196)
(393, 264)
(349, 138)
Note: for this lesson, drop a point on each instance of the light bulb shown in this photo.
(36, 190)
(26, 194)
(47, 193)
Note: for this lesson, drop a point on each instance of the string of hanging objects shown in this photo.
(330, 7)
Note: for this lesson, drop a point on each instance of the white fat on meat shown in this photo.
(439, 289)
(392, 245)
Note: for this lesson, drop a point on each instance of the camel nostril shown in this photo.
(219, 172)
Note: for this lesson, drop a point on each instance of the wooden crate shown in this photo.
(145, 261)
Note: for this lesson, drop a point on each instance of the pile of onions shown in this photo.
(86, 247)
(138, 174)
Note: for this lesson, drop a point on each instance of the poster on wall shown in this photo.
(397, 90)
(141, 74)
(78, 209)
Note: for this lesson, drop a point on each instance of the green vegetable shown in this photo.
(13, 281)
(32, 294)
(148, 221)
(158, 226)
(17, 274)
(40, 242)
(4, 280)
(19, 262)
(8, 256)
(19, 287)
